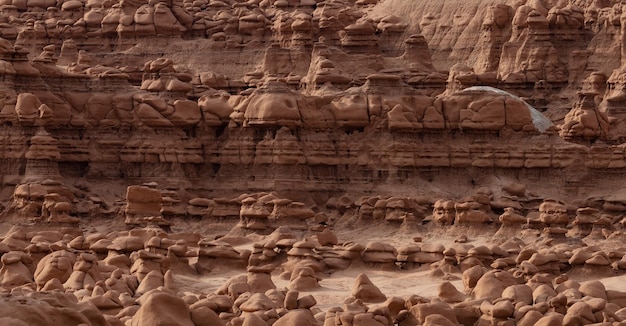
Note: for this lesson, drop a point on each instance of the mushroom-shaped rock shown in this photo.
(471, 276)
(145, 262)
(303, 279)
(518, 293)
(272, 104)
(302, 253)
(585, 121)
(492, 284)
(429, 253)
(470, 212)
(85, 273)
(410, 256)
(423, 310)
(142, 201)
(215, 107)
(500, 310)
(343, 256)
(443, 212)
(161, 308)
(14, 271)
(79, 243)
(257, 302)
(127, 244)
(215, 254)
(327, 237)
(56, 265)
(259, 278)
(543, 293)
(378, 254)
(553, 212)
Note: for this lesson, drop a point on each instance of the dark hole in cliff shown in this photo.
(73, 169)
(220, 130)
(216, 168)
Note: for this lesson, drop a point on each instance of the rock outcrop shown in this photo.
(146, 146)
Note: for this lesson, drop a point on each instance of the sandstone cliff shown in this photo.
(322, 96)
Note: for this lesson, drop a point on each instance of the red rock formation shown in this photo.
(247, 117)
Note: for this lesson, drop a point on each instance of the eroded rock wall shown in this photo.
(325, 95)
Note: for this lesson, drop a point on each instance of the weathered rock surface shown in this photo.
(146, 144)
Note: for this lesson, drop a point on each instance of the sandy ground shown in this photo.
(336, 288)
